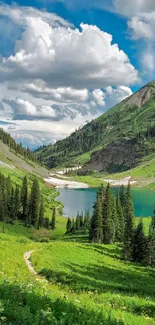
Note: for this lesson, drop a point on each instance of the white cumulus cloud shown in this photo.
(58, 76)
(66, 57)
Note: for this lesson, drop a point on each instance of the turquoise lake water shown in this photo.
(81, 199)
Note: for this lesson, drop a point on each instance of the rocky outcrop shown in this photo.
(140, 97)
(117, 156)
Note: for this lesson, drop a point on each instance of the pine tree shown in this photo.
(46, 223)
(34, 204)
(24, 200)
(108, 223)
(86, 221)
(139, 244)
(12, 206)
(17, 202)
(68, 226)
(41, 214)
(96, 225)
(114, 217)
(102, 193)
(121, 221)
(129, 225)
(152, 226)
(150, 255)
(123, 198)
(73, 226)
(81, 221)
(8, 186)
(77, 222)
(53, 220)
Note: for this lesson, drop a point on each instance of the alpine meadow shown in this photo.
(77, 162)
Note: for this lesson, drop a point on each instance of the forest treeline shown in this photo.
(23, 203)
(18, 148)
(80, 224)
(113, 221)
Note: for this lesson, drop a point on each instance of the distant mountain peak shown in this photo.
(133, 118)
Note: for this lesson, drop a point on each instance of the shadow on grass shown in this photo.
(110, 251)
(20, 305)
(76, 238)
(107, 279)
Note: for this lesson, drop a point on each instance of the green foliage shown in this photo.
(41, 214)
(79, 225)
(139, 244)
(96, 225)
(24, 200)
(34, 204)
(107, 223)
(121, 222)
(129, 224)
(68, 226)
(53, 220)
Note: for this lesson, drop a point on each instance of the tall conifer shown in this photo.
(34, 204)
(129, 224)
(108, 223)
(41, 214)
(121, 221)
(68, 226)
(139, 244)
(24, 200)
(53, 220)
(96, 225)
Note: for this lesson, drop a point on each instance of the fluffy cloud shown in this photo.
(141, 28)
(133, 7)
(68, 94)
(23, 109)
(98, 98)
(21, 15)
(58, 77)
(65, 57)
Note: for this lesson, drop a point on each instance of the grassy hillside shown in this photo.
(15, 161)
(95, 279)
(87, 284)
(132, 119)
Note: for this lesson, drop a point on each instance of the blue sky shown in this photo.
(66, 62)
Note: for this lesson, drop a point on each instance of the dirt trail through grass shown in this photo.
(27, 257)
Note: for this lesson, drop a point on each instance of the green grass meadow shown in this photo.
(80, 284)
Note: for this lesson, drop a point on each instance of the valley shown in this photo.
(77, 162)
(53, 277)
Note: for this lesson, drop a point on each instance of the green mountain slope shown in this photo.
(13, 161)
(130, 125)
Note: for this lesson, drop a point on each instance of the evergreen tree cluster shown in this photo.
(143, 247)
(108, 222)
(23, 204)
(18, 148)
(80, 224)
(113, 221)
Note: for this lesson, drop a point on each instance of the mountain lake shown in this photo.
(83, 199)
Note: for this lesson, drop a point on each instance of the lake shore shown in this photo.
(65, 183)
(119, 182)
(60, 181)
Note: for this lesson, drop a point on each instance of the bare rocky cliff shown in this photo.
(118, 156)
